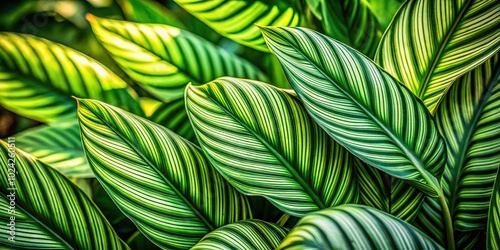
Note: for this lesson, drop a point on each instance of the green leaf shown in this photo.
(236, 19)
(173, 116)
(261, 139)
(138, 241)
(38, 78)
(361, 106)
(493, 228)
(148, 11)
(351, 22)
(49, 211)
(58, 146)
(247, 234)
(468, 120)
(431, 43)
(355, 227)
(163, 59)
(374, 189)
(162, 182)
(384, 10)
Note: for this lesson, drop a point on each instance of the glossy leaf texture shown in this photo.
(237, 19)
(350, 22)
(57, 145)
(163, 59)
(361, 106)
(148, 11)
(162, 182)
(49, 211)
(246, 234)
(355, 227)
(261, 139)
(493, 229)
(38, 78)
(173, 116)
(432, 43)
(469, 119)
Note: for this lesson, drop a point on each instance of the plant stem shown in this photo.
(283, 219)
(447, 222)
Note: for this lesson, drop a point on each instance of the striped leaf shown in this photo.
(58, 146)
(459, 35)
(262, 140)
(247, 234)
(493, 229)
(162, 182)
(148, 11)
(38, 78)
(49, 211)
(173, 116)
(355, 227)
(236, 19)
(351, 22)
(469, 119)
(361, 106)
(163, 59)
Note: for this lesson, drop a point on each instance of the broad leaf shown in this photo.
(493, 228)
(351, 22)
(162, 182)
(355, 227)
(236, 19)
(38, 78)
(374, 186)
(173, 116)
(262, 140)
(49, 211)
(59, 146)
(148, 11)
(361, 106)
(163, 59)
(432, 43)
(247, 234)
(468, 118)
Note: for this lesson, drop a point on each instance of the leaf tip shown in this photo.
(90, 17)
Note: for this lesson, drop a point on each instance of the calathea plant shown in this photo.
(382, 142)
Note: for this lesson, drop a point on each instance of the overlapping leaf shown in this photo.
(173, 116)
(361, 106)
(163, 59)
(236, 19)
(432, 43)
(50, 212)
(262, 140)
(148, 11)
(159, 180)
(493, 229)
(247, 234)
(355, 227)
(351, 22)
(57, 145)
(38, 78)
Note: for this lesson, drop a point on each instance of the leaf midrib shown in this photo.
(431, 180)
(442, 46)
(467, 138)
(278, 156)
(42, 224)
(152, 166)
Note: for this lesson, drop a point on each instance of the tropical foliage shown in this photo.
(259, 124)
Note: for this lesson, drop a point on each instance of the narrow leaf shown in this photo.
(45, 210)
(162, 182)
(38, 78)
(355, 227)
(361, 106)
(247, 234)
(459, 35)
(493, 228)
(163, 59)
(236, 19)
(262, 140)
